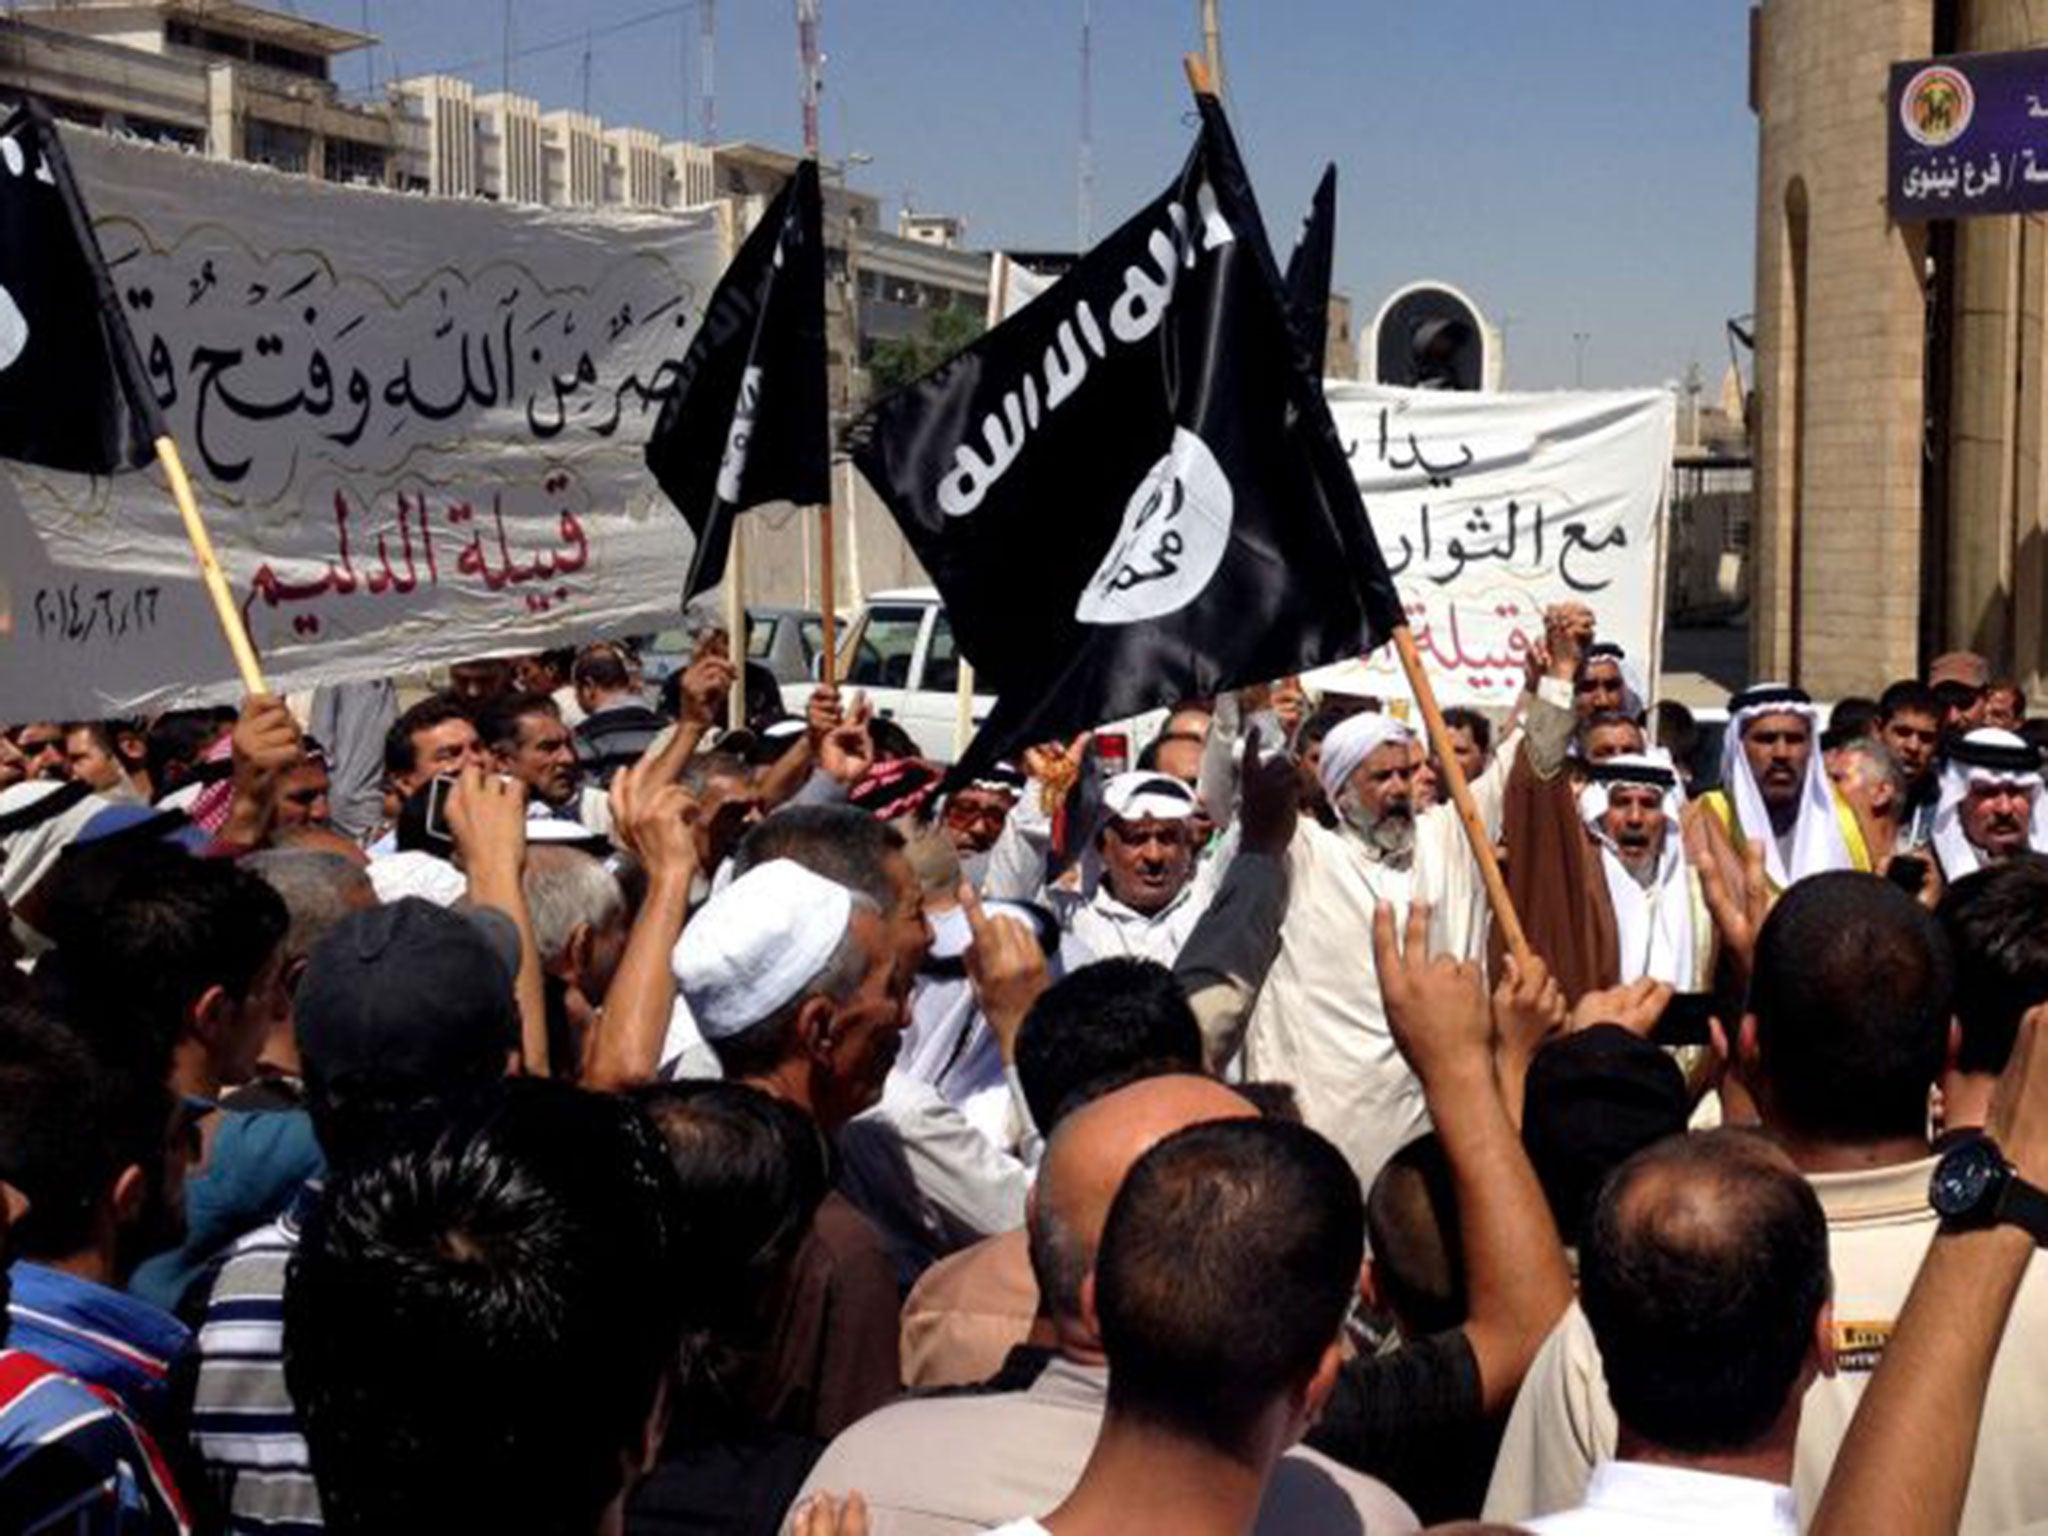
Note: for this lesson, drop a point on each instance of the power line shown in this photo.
(581, 39)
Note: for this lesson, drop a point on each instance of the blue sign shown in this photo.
(1969, 135)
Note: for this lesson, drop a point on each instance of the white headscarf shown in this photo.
(1634, 698)
(1654, 924)
(1350, 742)
(31, 852)
(1982, 758)
(1147, 796)
(1817, 842)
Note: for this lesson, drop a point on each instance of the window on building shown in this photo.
(277, 145)
(351, 160)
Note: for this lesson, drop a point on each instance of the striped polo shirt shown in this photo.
(245, 1429)
(106, 1338)
(72, 1462)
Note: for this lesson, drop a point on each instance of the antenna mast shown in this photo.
(707, 66)
(1084, 221)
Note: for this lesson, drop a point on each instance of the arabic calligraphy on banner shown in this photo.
(1968, 135)
(1490, 508)
(415, 427)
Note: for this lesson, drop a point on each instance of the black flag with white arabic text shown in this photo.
(1131, 492)
(65, 350)
(747, 421)
(1308, 272)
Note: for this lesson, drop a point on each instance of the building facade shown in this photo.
(1901, 412)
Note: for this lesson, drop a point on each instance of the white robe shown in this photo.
(1319, 1023)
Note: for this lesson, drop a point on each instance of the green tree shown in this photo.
(940, 334)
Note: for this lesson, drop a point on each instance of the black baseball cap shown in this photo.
(410, 991)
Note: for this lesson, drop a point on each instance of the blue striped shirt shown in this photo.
(245, 1429)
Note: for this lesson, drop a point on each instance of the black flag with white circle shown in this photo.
(747, 421)
(1131, 492)
(65, 402)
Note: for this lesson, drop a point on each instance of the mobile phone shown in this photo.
(1684, 1020)
(1908, 871)
(437, 832)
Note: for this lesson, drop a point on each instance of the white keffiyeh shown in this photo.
(1653, 922)
(1983, 758)
(1817, 844)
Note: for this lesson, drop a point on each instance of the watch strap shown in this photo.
(2025, 1206)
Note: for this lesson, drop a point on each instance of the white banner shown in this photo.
(415, 426)
(1491, 507)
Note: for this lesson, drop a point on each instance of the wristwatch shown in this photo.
(1975, 1187)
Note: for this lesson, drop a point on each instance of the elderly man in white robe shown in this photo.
(1319, 1023)
(1992, 809)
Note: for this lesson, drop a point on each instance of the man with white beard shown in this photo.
(1319, 1023)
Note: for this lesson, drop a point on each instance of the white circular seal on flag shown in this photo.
(1175, 530)
(13, 330)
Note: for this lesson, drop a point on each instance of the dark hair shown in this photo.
(1909, 696)
(1418, 1257)
(752, 1172)
(1851, 719)
(891, 741)
(1997, 923)
(1702, 1274)
(1228, 1261)
(477, 1323)
(176, 741)
(846, 846)
(1459, 718)
(1605, 720)
(401, 755)
(602, 667)
(1098, 1020)
(498, 722)
(171, 931)
(1148, 760)
(700, 770)
(1851, 996)
(70, 1121)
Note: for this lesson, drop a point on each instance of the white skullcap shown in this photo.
(1147, 796)
(1351, 742)
(754, 947)
(32, 851)
(416, 872)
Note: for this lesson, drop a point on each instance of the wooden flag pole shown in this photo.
(1461, 796)
(963, 706)
(209, 567)
(1476, 834)
(736, 626)
(828, 605)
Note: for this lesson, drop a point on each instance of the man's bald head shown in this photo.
(1086, 1162)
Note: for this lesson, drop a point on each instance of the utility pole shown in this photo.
(707, 67)
(1084, 194)
(505, 59)
(810, 59)
(1212, 44)
(1579, 340)
(586, 71)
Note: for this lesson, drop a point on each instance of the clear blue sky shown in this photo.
(1583, 167)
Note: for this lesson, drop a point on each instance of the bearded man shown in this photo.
(1992, 809)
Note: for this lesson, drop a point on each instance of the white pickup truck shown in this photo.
(900, 653)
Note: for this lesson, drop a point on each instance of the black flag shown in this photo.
(747, 423)
(1308, 272)
(1131, 492)
(70, 392)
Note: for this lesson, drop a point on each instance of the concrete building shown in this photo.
(437, 136)
(688, 177)
(572, 159)
(234, 81)
(940, 229)
(634, 173)
(1902, 411)
(508, 140)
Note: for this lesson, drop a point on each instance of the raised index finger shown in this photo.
(1386, 953)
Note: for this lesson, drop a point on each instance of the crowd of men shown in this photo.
(549, 1108)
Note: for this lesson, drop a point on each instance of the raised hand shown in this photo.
(1437, 1008)
(1005, 966)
